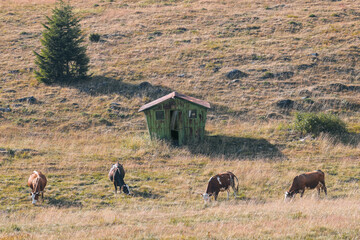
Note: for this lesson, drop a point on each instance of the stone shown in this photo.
(30, 100)
(216, 69)
(5, 109)
(115, 106)
(274, 115)
(286, 103)
(235, 81)
(10, 91)
(284, 75)
(144, 85)
(236, 74)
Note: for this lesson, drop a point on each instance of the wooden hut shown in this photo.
(176, 117)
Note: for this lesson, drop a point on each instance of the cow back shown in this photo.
(37, 182)
(313, 179)
(117, 174)
(307, 180)
(219, 182)
(116, 169)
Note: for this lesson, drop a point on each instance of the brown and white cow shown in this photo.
(219, 183)
(116, 175)
(37, 182)
(310, 180)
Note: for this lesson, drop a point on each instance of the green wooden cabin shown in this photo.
(176, 117)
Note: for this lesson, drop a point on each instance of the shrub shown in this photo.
(268, 75)
(94, 37)
(316, 123)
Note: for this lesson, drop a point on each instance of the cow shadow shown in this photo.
(145, 194)
(230, 148)
(62, 202)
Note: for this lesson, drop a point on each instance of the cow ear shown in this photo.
(30, 194)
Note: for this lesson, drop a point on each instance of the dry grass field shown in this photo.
(304, 51)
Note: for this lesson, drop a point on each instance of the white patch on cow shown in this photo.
(127, 189)
(206, 197)
(210, 179)
(218, 178)
(36, 173)
(287, 197)
(33, 198)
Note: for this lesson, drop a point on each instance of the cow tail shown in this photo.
(37, 180)
(122, 170)
(237, 186)
(117, 172)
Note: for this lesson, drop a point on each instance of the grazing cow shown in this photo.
(37, 182)
(311, 180)
(219, 183)
(116, 175)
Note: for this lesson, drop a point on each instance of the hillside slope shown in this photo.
(301, 52)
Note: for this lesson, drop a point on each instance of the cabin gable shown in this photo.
(177, 120)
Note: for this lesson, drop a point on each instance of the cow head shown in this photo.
(288, 196)
(206, 196)
(126, 189)
(34, 196)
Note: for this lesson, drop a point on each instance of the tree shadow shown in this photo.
(62, 202)
(102, 85)
(236, 148)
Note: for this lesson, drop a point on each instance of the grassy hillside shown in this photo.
(304, 52)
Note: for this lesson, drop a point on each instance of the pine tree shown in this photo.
(62, 58)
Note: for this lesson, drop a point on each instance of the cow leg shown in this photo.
(318, 188)
(115, 188)
(228, 193)
(324, 187)
(302, 193)
(42, 196)
(216, 195)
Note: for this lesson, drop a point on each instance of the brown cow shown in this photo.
(37, 182)
(219, 183)
(311, 180)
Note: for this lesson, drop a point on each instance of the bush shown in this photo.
(94, 37)
(316, 123)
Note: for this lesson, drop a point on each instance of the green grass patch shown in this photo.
(316, 123)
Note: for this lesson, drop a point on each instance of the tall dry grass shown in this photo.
(308, 218)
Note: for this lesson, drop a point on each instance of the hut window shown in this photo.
(192, 114)
(160, 115)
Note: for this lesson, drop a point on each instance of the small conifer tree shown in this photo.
(63, 57)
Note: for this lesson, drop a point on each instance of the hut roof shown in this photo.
(175, 95)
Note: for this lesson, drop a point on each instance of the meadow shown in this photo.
(304, 51)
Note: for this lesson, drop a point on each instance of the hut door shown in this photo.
(174, 125)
